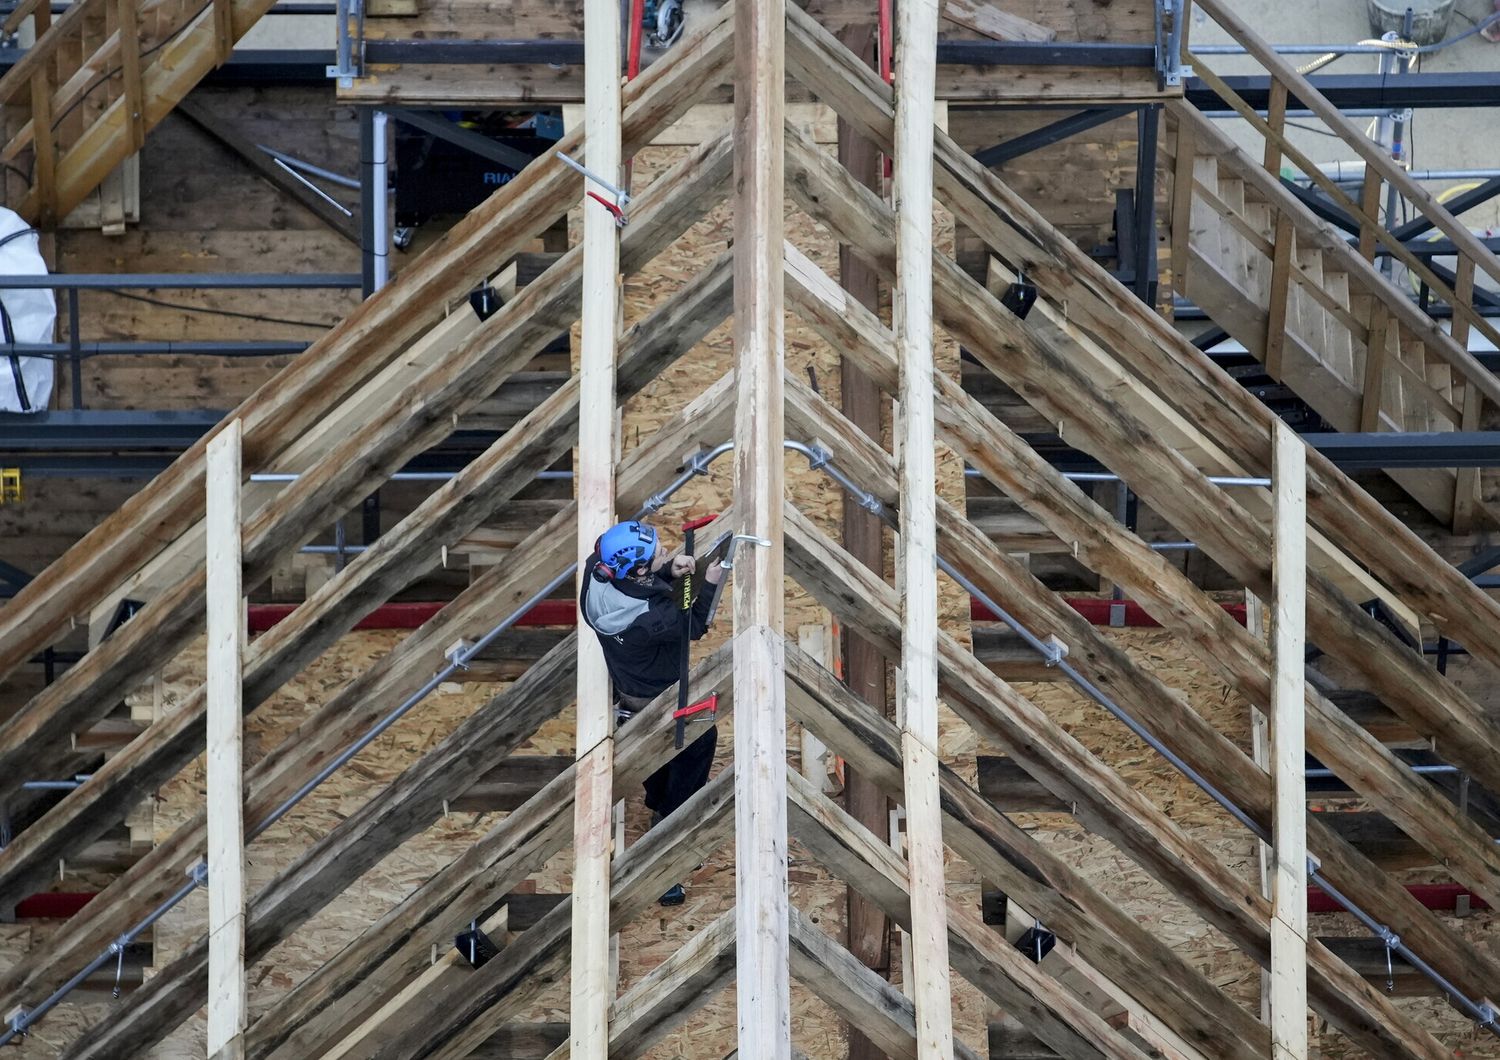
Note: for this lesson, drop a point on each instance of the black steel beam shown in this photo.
(1027, 53)
(1481, 562)
(1148, 126)
(1322, 206)
(1472, 88)
(1048, 135)
(468, 139)
(62, 281)
(13, 576)
(1410, 449)
(1456, 206)
(476, 52)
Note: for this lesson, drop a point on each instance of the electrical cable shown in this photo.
(236, 314)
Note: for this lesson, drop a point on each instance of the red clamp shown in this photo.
(711, 704)
(698, 524)
(611, 207)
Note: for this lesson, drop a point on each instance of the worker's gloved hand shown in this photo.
(683, 564)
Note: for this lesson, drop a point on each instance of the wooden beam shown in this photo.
(997, 968)
(992, 22)
(1147, 972)
(362, 460)
(340, 362)
(662, 1000)
(127, 21)
(347, 715)
(355, 984)
(1157, 353)
(916, 568)
(861, 400)
(227, 1005)
(1104, 802)
(477, 1002)
(886, 1015)
(265, 167)
(1288, 985)
(763, 1001)
(1123, 441)
(591, 984)
(1230, 651)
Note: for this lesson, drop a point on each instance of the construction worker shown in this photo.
(628, 599)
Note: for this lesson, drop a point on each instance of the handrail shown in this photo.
(1390, 310)
(1299, 86)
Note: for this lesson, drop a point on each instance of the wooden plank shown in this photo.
(240, 145)
(1377, 359)
(130, 71)
(1182, 202)
(1288, 751)
(1281, 289)
(354, 984)
(1108, 806)
(762, 990)
(856, 993)
(991, 21)
(916, 568)
(224, 34)
(1000, 971)
(356, 707)
(868, 934)
(1337, 624)
(44, 166)
(352, 353)
(227, 1005)
(591, 986)
(1046, 884)
(1466, 488)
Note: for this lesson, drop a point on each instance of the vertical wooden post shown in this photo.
(1288, 783)
(591, 983)
(916, 568)
(760, 847)
(226, 799)
(1369, 207)
(128, 20)
(1282, 241)
(1466, 487)
(1377, 349)
(864, 667)
(1182, 203)
(44, 145)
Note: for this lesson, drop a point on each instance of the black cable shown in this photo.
(18, 234)
(216, 312)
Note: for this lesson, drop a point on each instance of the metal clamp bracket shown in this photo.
(1054, 650)
(459, 652)
(621, 196)
(199, 873)
(728, 561)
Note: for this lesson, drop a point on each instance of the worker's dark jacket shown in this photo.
(640, 628)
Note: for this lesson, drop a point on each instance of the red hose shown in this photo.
(633, 53)
(885, 46)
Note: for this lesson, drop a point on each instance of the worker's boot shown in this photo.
(675, 894)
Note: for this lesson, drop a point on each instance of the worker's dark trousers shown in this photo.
(674, 783)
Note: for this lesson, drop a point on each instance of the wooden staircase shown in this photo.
(1320, 313)
(99, 79)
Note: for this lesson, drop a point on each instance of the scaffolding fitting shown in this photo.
(620, 195)
(1054, 651)
(199, 874)
(459, 653)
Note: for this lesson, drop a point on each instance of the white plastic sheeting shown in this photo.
(31, 314)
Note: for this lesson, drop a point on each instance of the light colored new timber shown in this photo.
(1288, 757)
(760, 863)
(590, 984)
(226, 798)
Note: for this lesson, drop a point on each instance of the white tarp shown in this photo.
(31, 314)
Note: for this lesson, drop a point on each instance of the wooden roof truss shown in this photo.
(389, 381)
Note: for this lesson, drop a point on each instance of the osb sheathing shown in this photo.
(659, 933)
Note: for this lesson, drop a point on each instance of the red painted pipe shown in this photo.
(1442, 897)
(55, 906)
(1097, 612)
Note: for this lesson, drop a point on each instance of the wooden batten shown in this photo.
(227, 1001)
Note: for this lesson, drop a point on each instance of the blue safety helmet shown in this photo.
(626, 545)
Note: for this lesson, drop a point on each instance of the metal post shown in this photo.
(75, 357)
(1148, 124)
(372, 198)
